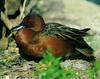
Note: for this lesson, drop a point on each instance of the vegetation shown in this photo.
(50, 68)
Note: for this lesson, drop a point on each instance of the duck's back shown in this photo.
(69, 36)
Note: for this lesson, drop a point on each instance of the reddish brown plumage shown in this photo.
(34, 46)
(58, 46)
(32, 40)
(35, 22)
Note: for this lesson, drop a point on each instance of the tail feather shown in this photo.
(85, 51)
(85, 30)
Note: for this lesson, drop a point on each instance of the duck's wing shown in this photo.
(82, 47)
(73, 34)
(64, 31)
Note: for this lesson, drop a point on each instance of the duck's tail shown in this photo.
(85, 30)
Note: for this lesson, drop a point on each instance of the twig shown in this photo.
(5, 19)
(3, 32)
(22, 9)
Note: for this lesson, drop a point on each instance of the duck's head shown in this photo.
(34, 22)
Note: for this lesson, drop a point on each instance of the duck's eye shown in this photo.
(29, 20)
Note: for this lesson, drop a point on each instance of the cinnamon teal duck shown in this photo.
(34, 36)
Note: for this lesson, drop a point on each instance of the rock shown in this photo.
(76, 64)
(12, 6)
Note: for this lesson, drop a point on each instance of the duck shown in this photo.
(33, 37)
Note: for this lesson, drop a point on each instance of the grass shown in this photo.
(93, 72)
(49, 68)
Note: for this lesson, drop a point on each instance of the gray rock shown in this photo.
(76, 64)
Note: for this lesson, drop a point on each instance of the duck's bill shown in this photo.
(17, 28)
